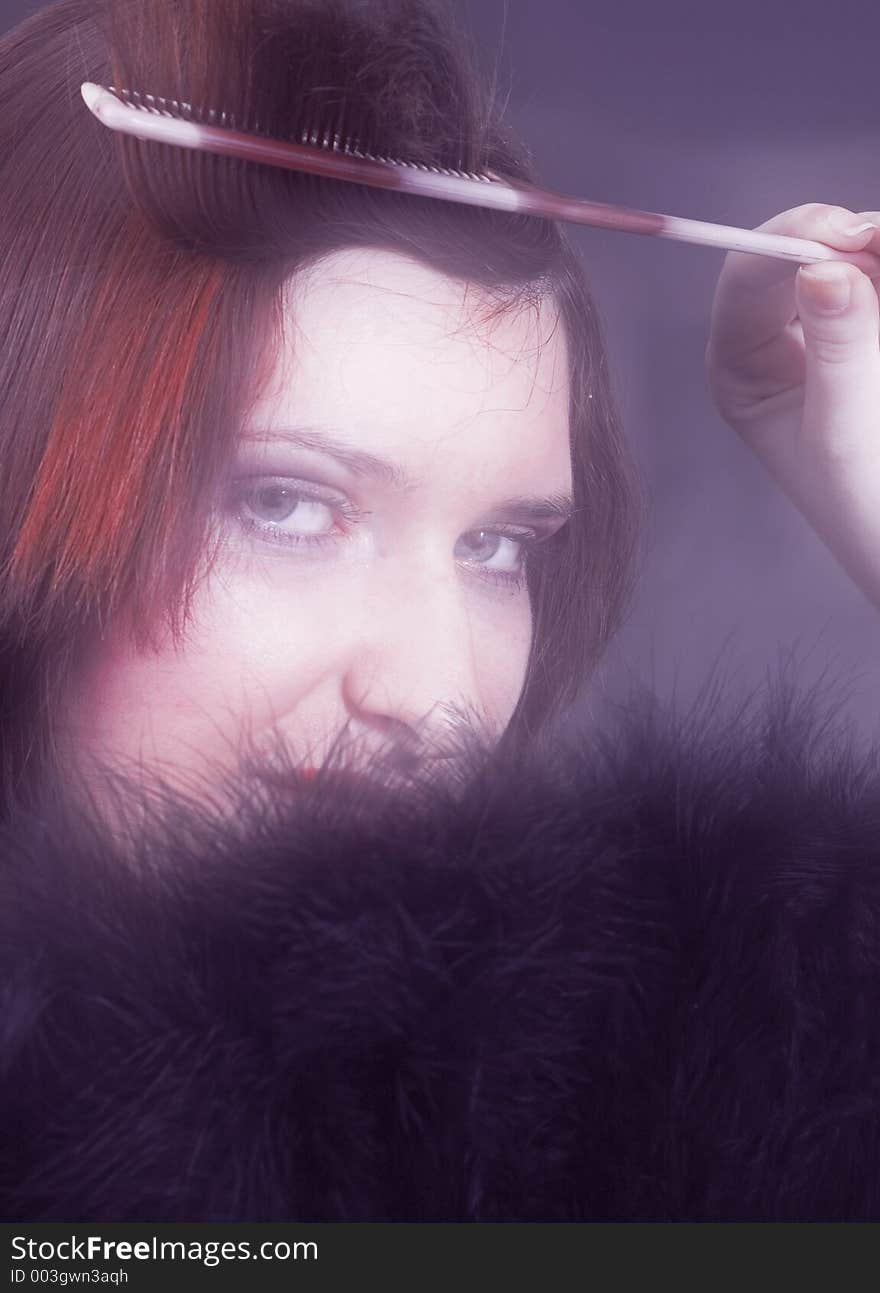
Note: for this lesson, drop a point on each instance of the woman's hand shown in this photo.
(794, 367)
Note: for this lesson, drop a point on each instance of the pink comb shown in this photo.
(324, 153)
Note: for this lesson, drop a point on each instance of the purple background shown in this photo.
(726, 113)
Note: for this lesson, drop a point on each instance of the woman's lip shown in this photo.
(338, 778)
(385, 772)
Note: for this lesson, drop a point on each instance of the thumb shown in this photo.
(839, 315)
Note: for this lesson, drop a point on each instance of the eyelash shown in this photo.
(352, 516)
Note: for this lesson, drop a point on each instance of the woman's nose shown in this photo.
(412, 669)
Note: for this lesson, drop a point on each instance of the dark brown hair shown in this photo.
(142, 285)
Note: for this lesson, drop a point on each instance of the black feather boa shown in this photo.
(637, 980)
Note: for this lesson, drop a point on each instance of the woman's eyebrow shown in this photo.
(524, 509)
(357, 460)
(553, 509)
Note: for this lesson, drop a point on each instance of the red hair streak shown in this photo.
(119, 423)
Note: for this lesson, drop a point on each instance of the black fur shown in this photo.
(640, 980)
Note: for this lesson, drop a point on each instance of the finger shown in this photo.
(840, 318)
(835, 226)
(755, 297)
(836, 477)
(872, 217)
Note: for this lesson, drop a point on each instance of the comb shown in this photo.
(322, 151)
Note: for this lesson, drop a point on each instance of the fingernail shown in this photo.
(829, 285)
(842, 222)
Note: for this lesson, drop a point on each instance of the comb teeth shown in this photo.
(314, 134)
(173, 108)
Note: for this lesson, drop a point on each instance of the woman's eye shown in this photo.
(492, 550)
(294, 513)
(298, 512)
(291, 512)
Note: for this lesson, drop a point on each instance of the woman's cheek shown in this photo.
(273, 628)
(503, 638)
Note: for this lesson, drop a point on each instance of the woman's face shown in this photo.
(386, 486)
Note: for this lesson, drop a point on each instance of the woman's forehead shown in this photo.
(388, 359)
(370, 327)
